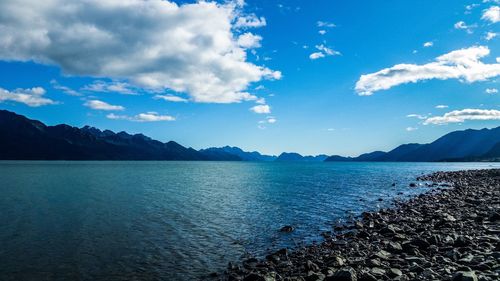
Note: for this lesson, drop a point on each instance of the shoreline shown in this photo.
(447, 233)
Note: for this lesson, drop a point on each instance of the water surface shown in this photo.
(177, 220)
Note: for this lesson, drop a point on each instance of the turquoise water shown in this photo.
(177, 220)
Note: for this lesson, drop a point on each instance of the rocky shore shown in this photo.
(449, 233)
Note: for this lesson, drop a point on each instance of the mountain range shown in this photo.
(467, 145)
(25, 139)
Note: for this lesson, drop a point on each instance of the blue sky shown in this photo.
(333, 77)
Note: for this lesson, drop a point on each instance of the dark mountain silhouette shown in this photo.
(25, 139)
(295, 157)
(244, 155)
(467, 145)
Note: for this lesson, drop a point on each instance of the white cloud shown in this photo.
(261, 109)
(441, 106)
(249, 21)
(471, 6)
(428, 44)
(260, 101)
(323, 52)
(459, 116)
(462, 25)
(142, 117)
(411, 129)
(322, 32)
(490, 35)
(110, 87)
(100, 105)
(189, 48)
(31, 97)
(491, 91)
(418, 116)
(463, 64)
(325, 24)
(66, 90)
(249, 41)
(170, 98)
(316, 55)
(491, 14)
(271, 120)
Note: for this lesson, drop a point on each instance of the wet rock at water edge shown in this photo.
(287, 229)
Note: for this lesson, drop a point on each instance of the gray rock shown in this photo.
(393, 272)
(343, 274)
(464, 276)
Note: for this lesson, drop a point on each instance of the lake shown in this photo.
(178, 220)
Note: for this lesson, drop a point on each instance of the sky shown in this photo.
(314, 77)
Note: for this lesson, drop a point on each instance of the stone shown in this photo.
(394, 247)
(377, 271)
(312, 266)
(394, 272)
(420, 243)
(254, 277)
(368, 277)
(287, 229)
(343, 274)
(384, 255)
(464, 276)
(314, 276)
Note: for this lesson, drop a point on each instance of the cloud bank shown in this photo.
(463, 64)
(156, 44)
(142, 117)
(459, 116)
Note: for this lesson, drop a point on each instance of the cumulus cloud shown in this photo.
(490, 35)
(322, 32)
(491, 91)
(463, 64)
(441, 106)
(100, 105)
(411, 129)
(249, 41)
(171, 98)
(460, 116)
(190, 48)
(428, 44)
(142, 117)
(261, 109)
(33, 97)
(491, 14)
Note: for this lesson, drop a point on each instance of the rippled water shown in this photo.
(177, 220)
